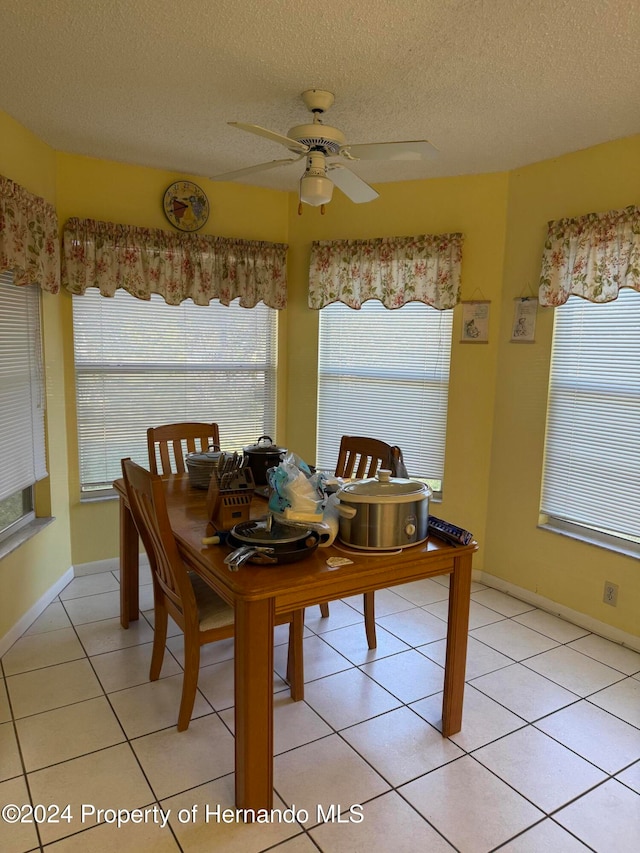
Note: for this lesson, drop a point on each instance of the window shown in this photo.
(22, 450)
(385, 374)
(591, 478)
(145, 363)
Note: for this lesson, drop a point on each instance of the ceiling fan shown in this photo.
(324, 148)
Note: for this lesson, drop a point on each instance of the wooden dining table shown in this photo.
(259, 592)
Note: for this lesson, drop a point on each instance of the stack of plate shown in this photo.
(201, 466)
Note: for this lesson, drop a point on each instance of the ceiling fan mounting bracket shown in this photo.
(317, 100)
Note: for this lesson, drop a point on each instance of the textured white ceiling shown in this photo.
(493, 84)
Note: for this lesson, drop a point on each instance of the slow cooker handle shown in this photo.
(346, 511)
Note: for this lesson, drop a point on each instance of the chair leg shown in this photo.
(324, 609)
(295, 656)
(159, 637)
(189, 681)
(370, 619)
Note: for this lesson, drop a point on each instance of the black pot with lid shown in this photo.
(262, 455)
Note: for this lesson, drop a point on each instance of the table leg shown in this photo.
(253, 666)
(295, 656)
(456, 661)
(129, 602)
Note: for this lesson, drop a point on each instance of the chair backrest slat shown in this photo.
(361, 457)
(173, 439)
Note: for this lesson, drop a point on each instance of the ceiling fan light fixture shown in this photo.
(315, 190)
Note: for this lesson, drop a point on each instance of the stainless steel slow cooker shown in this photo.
(383, 512)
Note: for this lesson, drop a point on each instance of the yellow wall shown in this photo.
(475, 206)
(132, 195)
(561, 569)
(498, 390)
(29, 571)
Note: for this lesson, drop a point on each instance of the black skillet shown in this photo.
(269, 542)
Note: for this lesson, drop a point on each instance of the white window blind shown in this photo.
(385, 374)
(592, 454)
(141, 364)
(22, 399)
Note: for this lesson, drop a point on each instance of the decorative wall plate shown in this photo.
(186, 206)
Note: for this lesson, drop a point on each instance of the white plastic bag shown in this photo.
(295, 487)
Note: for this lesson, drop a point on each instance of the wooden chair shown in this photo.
(360, 457)
(203, 616)
(182, 438)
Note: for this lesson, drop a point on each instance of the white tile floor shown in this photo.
(548, 758)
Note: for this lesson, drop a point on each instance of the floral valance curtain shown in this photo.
(395, 270)
(29, 245)
(592, 256)
(177, 266)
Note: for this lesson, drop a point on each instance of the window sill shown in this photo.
(97, 497)
(592, 537)
(11, 543)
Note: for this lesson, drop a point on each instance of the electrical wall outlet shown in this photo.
(610, 593)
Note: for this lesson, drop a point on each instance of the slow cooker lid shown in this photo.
(384, 487)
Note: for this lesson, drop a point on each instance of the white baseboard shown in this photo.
(632, 641)
(32, 614)
(110, 565)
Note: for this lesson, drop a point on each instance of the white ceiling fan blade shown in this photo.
(417, 149)
(260, 167)
(291, 144)
(351, 185)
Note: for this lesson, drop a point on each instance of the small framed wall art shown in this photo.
(186, 206)
(523, 330)
(475, 322)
